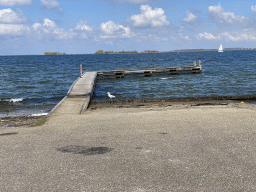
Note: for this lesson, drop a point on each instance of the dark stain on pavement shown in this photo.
(11, 133)
(75, 149)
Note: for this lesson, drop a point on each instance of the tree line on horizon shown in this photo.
(54, 53)
(101, 51)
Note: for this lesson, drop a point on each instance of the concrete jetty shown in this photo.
(79, 95)
(84, 87)
(81, 91)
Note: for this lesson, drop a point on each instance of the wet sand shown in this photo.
(19, 121)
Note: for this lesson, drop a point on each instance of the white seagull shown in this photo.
(111, 96)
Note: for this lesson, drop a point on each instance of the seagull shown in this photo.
(111, 96)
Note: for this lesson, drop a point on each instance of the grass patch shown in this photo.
(39, 123)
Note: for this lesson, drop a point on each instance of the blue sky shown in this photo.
(29, 27)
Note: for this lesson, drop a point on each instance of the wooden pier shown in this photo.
(81, 91)
(151, 71)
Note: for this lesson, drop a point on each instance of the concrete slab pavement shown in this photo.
(134, 149)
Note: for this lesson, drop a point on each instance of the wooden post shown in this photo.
(81, 70)
(148, 73)
(194, 64)
(172, 72)
(199, 63)
(119, 74)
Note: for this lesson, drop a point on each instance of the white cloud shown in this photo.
(82, 30)
(15, 2)
(49, 29)
(207, 36)
(113, 30)
(83, 27)
(185, 37)
(12, 29)
(253, 8)
(49, 24)
(222, 18)
(11, 17)
(149, 17)
(133, 1)
(242, 36)
(190, 18)
(36, 26)
(245, 35)
(51, 4)
(62, 34)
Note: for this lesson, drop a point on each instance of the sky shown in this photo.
(32, 27)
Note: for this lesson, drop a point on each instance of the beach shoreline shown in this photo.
(171, 103)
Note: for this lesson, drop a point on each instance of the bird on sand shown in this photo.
(111, 96)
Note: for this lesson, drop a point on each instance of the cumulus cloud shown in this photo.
(207, 36)
(222, 18)
(15, 2)
(83, 26)
(51, 5)
(150, 17)
(113, 30)
(50, 29)
(13, 29)
(190, 18)
(133, 1)
(47, 26)
(83, 30)
(244, 35)
(11, 17)
(185, 37)
(253, 8)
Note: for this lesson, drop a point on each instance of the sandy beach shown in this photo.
(179, 147)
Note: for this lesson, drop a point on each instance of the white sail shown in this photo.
(220, 49)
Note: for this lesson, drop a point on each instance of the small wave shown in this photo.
(16, 100)
(38, 114)
(165, 78)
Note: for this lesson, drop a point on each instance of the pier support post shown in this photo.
(173, 72)
(196, 69)
(148, 73)
(194, 64)
(119, 74)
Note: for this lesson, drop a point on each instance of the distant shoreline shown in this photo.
(174, 51)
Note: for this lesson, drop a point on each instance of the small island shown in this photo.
(54, 53)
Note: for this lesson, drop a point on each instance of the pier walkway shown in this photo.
(81, 91)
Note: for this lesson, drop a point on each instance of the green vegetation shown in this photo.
(150, 51)
(100, 52)
(112, 52)
(39, 123)
(54, 53)
(121, 52)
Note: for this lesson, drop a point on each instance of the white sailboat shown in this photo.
(220, 48)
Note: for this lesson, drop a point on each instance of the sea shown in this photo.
(34, 84)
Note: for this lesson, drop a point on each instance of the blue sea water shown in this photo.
(37, 83)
